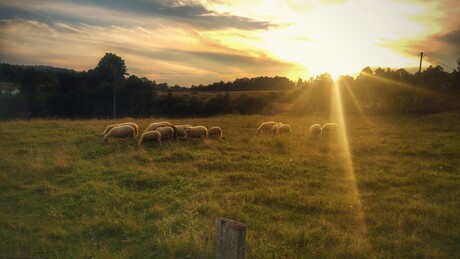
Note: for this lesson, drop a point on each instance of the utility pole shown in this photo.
(420, 69)
(114, 103)
(114, 82)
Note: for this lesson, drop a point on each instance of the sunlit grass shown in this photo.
(386, 189)
(346, 161)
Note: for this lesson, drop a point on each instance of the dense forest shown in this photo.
(107, 91)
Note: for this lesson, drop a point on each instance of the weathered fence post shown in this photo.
(231, 239)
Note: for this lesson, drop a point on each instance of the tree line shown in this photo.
(96, 93)
(249, 84)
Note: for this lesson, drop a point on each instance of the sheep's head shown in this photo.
(274, 129)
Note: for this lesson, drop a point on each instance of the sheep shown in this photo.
(315, 130)
(284, 128)
(196, 132)
(152, 135)
(134, 125)
(215, 132)
(155, 125)
(167, 132)
(329, 127)
(266, 126)
(122, 131)
(181, 130)
(274, 129)
(108, 128)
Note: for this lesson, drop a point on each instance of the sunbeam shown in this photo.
(394, 83)
(346, 160)
(344, 84)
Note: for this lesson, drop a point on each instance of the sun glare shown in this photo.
(346, 160)
(342, 39)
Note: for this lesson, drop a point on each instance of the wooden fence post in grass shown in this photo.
(231, 239)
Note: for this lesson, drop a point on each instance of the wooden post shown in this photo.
(231, 239)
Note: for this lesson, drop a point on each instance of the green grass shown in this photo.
(66, 194)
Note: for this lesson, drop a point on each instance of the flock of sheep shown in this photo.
(317, 130)
(277, 128)
(159, 131)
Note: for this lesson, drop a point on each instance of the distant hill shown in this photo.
(12, 73)
(47, 68)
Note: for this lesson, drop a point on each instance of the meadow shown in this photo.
(394, 191)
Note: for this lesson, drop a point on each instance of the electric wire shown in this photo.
(437, 61)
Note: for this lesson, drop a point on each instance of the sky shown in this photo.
(192, 42)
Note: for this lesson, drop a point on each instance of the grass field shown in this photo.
(395, 192)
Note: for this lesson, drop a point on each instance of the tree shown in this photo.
(137, 97)
(456, 78)
(112, 69)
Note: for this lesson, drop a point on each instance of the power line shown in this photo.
(437, 61)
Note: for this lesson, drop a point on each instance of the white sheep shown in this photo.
(181, 130)
(283, 129)
(274, 129)
(315, 130)
(134, 125)
(123, 131)
(108, 128)
(152, 135)
(329, 127)
(155, 125)
(167, 132)
(215, 132)
(196, 132)
(266, 126)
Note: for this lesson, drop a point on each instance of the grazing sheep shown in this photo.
(315, 130)
(283, 129)
(215, 132)
(181, 130)
(155, 125)
(108, 128)
(266, 126)
(154, 136)
(134, 125)
(167, 132)
(274, 129)
(123, 131)
(329, 127)
(196, 132)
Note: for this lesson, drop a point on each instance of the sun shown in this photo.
(316, 56)
(342, 39)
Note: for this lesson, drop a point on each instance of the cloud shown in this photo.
(201, 41)
(127, 13)
(445, 48)
(175, 55)
(452, 38)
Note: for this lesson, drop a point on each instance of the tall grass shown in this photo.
(64, 193)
